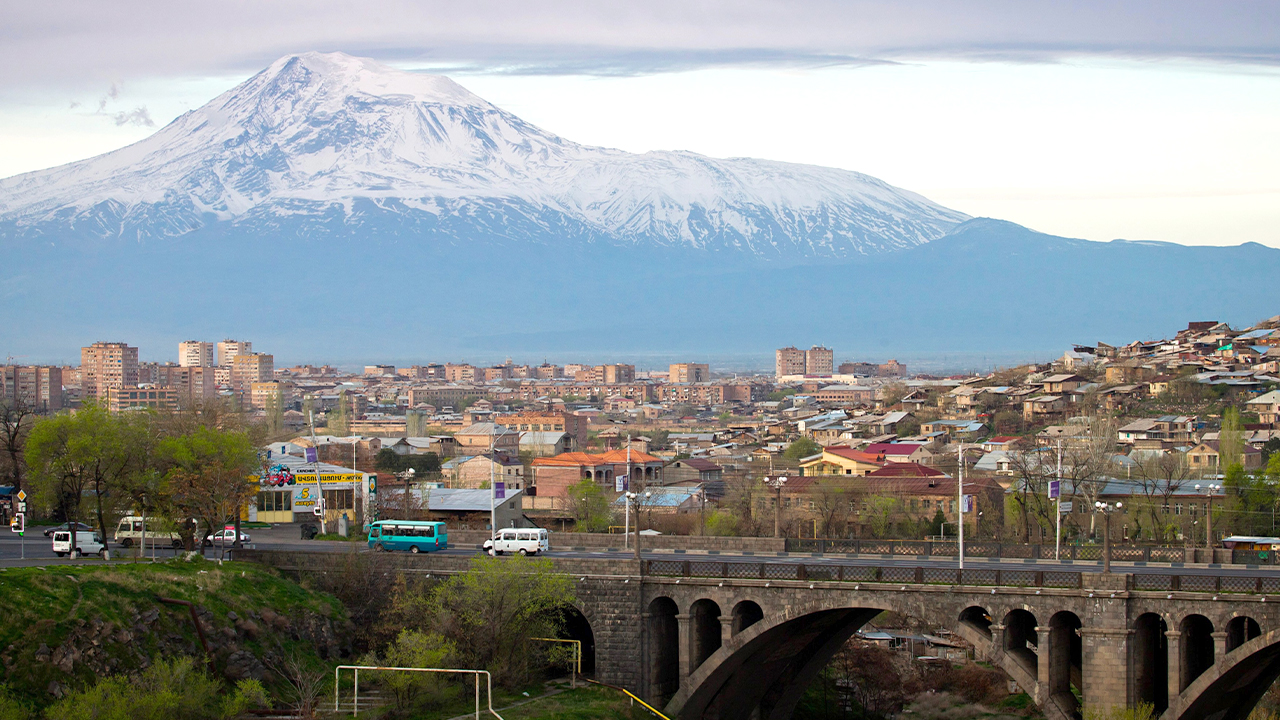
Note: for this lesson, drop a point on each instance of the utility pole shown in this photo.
(776, 483)
(960, 499)
(1106, 509)
(1057, 535)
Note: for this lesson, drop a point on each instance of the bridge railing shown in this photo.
(988, 577)
(980, 548)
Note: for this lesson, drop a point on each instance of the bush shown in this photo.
(168, 690)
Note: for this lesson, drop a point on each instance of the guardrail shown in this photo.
(986, 577)
(979, 548)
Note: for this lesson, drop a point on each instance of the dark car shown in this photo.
(80, 527)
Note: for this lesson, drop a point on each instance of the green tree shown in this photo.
(1230, 439)
(274, 416)
(388, 460)
(589, 506)
(208, 475)
(802, 448)
(338, 422)
(411, 648)
(488, 615)
(935, 525)
(91, 454)
(881, 510)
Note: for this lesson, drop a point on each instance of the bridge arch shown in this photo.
(1066, 661)
(577, 626)
(745, 614)
(1196, 648)
(1151, 660)
(977, 617)
(1231, 688)
(704, 617)
(663, 654)
(1021, 641)
(1240, 630)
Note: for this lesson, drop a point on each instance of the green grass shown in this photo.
(556, 702)
(356, 537)
(46, 605)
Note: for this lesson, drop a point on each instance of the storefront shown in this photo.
(289, 492)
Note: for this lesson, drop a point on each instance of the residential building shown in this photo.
(552, 476)
(228, 349)
(865, 369)
(544, 444)
(380, 370)
(689, 373)
(250, 368)
(846, 394)
(1062, 383)
(692, 470)
(195, 353)
(38, 386)
(789, 361)
(575, 426)
(486, 436)
(1267, 406)
(841, 460)
(819, 360)
(901, 452)
(607, 374)
(262, 394)
(146, 397)
(892, 369)
(107, 365)
(1205, 457)
(460, 373)
(477, 471)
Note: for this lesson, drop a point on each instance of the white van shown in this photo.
(129, 532)
(526, 541)
(86, 544)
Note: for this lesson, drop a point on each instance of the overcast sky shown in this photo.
(1141, 120)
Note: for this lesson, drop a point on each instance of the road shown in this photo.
(286, 537)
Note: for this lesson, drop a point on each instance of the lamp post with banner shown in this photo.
(960, 501)
(777, 484)
(1055, 493)
(1106, 509)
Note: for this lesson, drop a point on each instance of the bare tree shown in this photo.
(833, 501)
(16, 418)
(1160, 476)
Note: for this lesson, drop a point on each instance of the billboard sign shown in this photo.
(499, 490)
(1055, 489)
(311, 454)
(304, 497)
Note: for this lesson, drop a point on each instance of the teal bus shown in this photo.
(413, 535)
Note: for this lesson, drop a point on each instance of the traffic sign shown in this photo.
(1055, 489)
(22, 507)
(22, 495)
(18, 524)
(1065, 507)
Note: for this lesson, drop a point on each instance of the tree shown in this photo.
(16, 418)
(1230, 440)
(489, 614)
(338, 421)
(881, 510)
(589, 506)
(166, 690)
(1160, 476)
(274, 416)
(208, 475)
(833, 500)
(803, 447)
(89, 454)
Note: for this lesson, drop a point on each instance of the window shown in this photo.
(926, 504)
(340, 499)
(273, 501)
(1177, 508)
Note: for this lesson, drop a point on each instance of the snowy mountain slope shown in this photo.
(340, 145)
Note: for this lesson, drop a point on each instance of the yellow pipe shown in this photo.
(649, 707)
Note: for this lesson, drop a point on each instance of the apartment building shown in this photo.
(789, 361)
(261, 394)
(247, 369)
(37, 386)
(689, 373)
(615, 374)
(195, 353)
(105, 365)
(819, 360)
(140, 398)
(228, 349)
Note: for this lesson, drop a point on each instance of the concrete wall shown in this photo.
(565, 541)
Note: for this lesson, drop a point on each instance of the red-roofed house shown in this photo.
(901, 452)
(553, 475)
(840, 460)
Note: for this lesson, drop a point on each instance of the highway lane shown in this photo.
(39, 549)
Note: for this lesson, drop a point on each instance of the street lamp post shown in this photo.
(777, 483)
(1106, 509)
(1209, 491)
(406, 476)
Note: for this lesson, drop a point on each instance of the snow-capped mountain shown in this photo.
(329, 143)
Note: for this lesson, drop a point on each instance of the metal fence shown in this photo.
(987, 577)
(981, 548)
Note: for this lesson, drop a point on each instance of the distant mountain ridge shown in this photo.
(333, 210)
(336, 145)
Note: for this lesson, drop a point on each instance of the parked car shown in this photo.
(80, 527)
(227, 535)
(87, 543)
(526, 541)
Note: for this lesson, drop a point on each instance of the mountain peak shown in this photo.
(345, 75)
(328, 143)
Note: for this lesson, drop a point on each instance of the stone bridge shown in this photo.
(738, 639)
